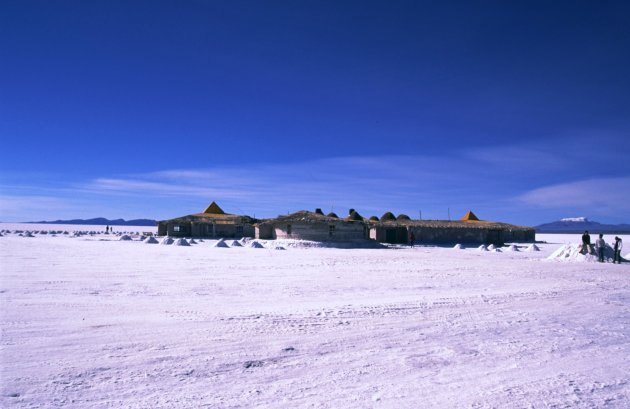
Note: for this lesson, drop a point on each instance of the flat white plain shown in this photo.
(94, 322)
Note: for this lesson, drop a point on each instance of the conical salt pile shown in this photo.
(458, 247)
(279, 248)
(181, 242)
(192, 241)
(491, 247)
(533, 247)
(221, 243)
(513, 248)
(235, 243)
(482, 248)
(256, 245)
(124, 237)
(166, 241)
(150, 240)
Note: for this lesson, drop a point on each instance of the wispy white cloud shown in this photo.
(484, 180)
(603, 196)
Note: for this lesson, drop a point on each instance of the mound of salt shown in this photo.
(512, 248)
(572, 252)
(124, 237)
(150, 240)
(533, 247)
(236, 243)
(496, 250)
(181, 242)
(491, 247)
(28, 234)
(221, 243)
(458, 247)
(279, 248)
(256, 245)
(482, 248)
(192, 241)
(166, 241)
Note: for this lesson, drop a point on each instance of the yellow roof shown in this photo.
(470, 216)
(213, 209)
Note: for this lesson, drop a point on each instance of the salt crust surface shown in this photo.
(91, 321)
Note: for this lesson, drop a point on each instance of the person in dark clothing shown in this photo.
(617, 248)
(586, 243)
(412, 239)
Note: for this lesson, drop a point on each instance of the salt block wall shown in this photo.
(321, 231)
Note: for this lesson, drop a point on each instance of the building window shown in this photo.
(288, 229)
(177, 229)
(331, 230)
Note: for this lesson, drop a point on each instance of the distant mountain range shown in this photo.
(580, 224)
(101, 221)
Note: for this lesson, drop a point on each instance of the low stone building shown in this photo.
(211, 223)
(468, 230)
(315, 226)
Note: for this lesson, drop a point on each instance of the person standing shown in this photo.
(618, 246)
(586, 242)
(412, 239)
(601, 245)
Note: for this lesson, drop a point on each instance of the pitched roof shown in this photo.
(213, 208)
(470, 216)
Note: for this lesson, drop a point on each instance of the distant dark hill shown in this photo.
(580, 224)
(101, 221)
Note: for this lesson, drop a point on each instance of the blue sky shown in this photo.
(519, 111)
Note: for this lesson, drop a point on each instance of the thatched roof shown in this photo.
(303, 216)
(213, 208)
(470, 216)
(388, 216)
(212, 218)
(332, 214)
(454, 224)
(403, 217)
(373, 218)
(319, 211)
(354, 216)
(212, 214)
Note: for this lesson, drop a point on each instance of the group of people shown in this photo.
(600, 245)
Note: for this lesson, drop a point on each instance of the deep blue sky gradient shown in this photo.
(431, 96)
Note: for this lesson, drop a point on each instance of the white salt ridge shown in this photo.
(150, 240)
(181, 242)
(167, 241)
(221, 243)
(571, 252)
(458, 247)
(533, 247)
